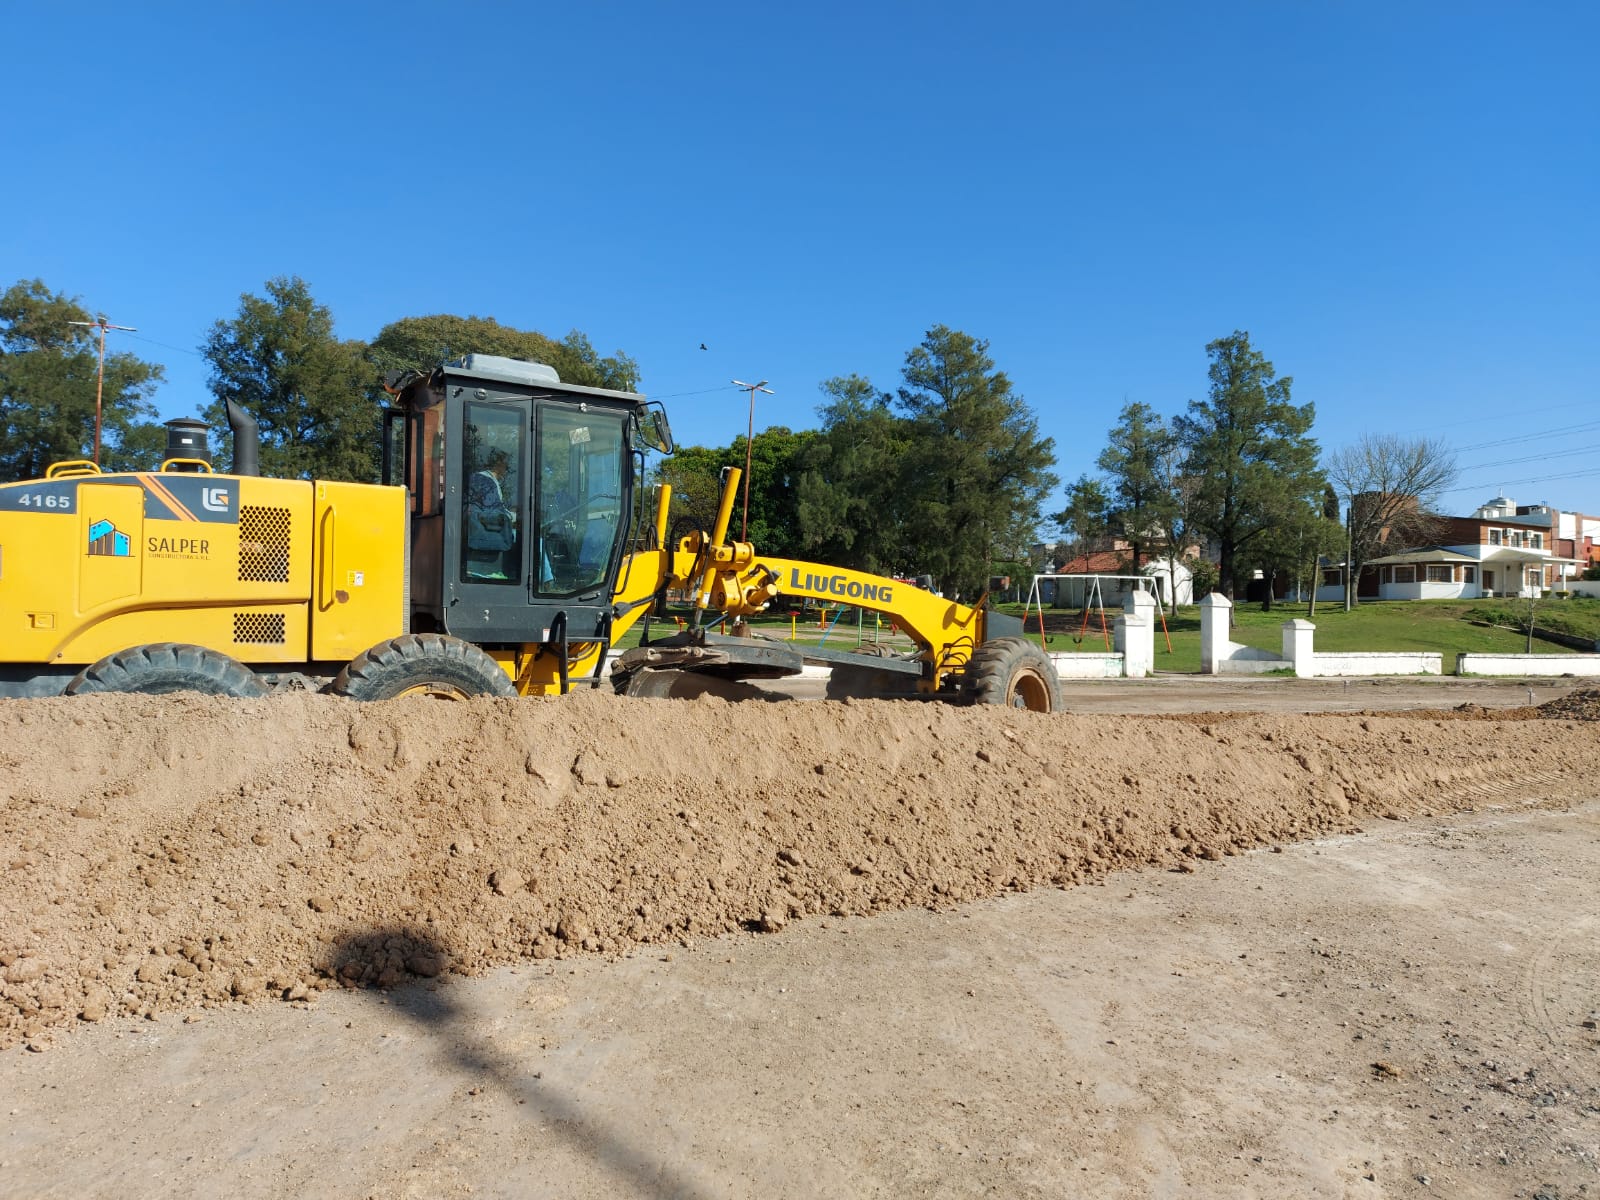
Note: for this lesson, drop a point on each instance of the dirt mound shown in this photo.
(173, 852)
(1583, 705)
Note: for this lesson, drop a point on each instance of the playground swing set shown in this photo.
(1093, 601)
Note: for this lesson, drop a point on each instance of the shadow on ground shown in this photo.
(401, 958)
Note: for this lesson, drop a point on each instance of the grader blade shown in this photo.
(671, 683)
(696, 663)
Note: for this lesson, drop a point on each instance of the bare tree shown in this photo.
(1391, 487)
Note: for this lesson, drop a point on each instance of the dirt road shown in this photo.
(1396, 1014)
(698, 1003)
(1191, 693)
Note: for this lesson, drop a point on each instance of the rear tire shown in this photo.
(160, 668)
(422, 664)
(1014, 672)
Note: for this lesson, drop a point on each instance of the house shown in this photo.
(1501, 550)
(1172, 586)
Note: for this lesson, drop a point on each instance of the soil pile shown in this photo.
(1583, 705)
(164, 853)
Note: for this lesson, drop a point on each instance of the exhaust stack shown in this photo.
(246, 440)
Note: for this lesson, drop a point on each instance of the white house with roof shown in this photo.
(1501, 550)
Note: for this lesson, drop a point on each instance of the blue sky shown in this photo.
(1398, 202)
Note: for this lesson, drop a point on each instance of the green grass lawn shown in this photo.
(1448, 627)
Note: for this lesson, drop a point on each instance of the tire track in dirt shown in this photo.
(1559, 985)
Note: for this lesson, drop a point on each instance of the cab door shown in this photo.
(486, 546)
(581, 503)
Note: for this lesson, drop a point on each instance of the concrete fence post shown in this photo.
(1298, 638)
(1215, 613)
(1136, 640)
(1136, 634)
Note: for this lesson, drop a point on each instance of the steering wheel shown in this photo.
(583, 508)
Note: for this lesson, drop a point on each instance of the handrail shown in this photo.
(186, 465)
(72, 466)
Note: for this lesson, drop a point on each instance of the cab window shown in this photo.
(427, 489)
(493, 465)
(581, 465)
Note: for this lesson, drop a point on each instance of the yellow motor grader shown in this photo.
(506, 551)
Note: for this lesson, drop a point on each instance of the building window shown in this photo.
(1405, 574)
(1440, 574)
(1469, 574)
(1536, 540)
(1332, 578)
(1494, 537)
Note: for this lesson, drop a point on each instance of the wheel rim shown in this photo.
(1030, 692)
(435, 690)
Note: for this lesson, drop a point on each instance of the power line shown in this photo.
(1495, 417)
(1584, 427)
(703, 392)
(1511, 462)
(165, 346)
(1480, 487)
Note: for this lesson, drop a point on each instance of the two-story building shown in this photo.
(1501, 550)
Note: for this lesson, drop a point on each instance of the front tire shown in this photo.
(161, 668)
(422, 664)
(1014, 672)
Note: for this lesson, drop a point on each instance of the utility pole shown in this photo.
(1349, 552)
(100, 383)
(749, 438)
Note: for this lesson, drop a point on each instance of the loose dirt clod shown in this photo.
(271, 848)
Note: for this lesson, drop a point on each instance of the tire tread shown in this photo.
(995, 665)
(417, 659)
(160, 668)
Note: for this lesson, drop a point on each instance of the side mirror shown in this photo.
(652, 427)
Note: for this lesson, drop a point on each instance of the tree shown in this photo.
(1179, 529)
(1294, 547)
(1328, 541)
(1250, 450)
(852, 487)
(48, 377)
(1391, 488)
(1142, 504)
(422, 343)
(280, 361)
(695, 473)
(982, 471)
(1086, 518)
(777, 457)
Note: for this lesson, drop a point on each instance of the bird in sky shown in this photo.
(702, 345)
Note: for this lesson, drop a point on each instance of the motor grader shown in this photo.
(506, 551)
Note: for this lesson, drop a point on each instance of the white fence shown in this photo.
(1528, 664)
(1221, 656)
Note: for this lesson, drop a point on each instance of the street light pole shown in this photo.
(749, 439)
(100, 381)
